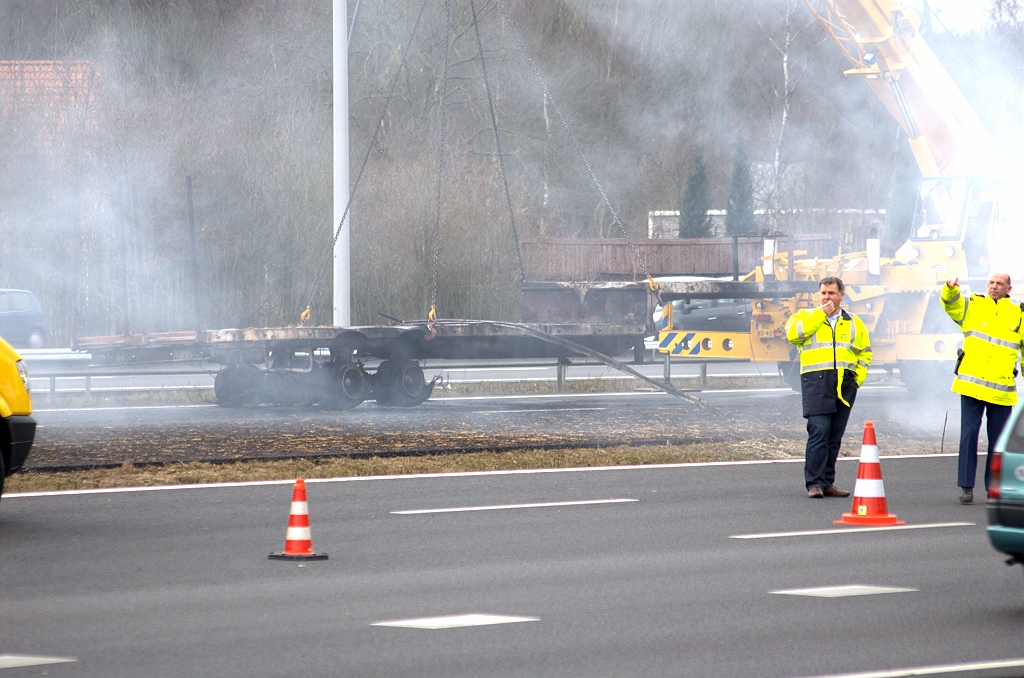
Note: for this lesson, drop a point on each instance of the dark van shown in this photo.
(21, 319)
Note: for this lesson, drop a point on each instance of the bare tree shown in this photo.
(779, 94)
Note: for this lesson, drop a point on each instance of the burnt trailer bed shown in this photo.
(324, 365)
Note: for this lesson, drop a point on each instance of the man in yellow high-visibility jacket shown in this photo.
(835, 351)
(986, 369)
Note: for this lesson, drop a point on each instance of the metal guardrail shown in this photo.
(54, 364)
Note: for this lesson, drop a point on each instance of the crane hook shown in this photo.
(431, 322)
(654, 288)
(306, 315)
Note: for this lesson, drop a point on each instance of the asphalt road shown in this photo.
(177, 582)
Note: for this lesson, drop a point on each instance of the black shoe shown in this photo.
(833, 491)
(815, 493)
(966, 495)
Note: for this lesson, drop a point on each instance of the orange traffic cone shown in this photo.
(298, 544)
(869, 506)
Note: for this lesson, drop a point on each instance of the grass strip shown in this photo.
(129, 475)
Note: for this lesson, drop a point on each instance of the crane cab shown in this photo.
(965, 227)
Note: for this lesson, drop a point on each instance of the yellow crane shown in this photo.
(966, 224)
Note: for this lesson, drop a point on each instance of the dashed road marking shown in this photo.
(13, 661)
(931, 670)
(846, 530)
(543, 409)
(502, 507)
(455, 621)
(841, 591)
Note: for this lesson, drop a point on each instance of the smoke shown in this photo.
(238, 96)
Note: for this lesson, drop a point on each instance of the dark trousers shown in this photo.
(824, 436)
(971, 410)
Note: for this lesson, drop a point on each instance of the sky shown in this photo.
(960, 15)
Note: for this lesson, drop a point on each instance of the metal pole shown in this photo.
(76, 253)
(193, 259)
(703, 376)
(355, 18)
(123, 257)
(342, 281)
(667, 371)
(139, 286)
(792, 264)
(735, 257)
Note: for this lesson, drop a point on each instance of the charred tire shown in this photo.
(37, 338)
(400, 383)
(238, 386)
(923, 377)
(790, 373)
(346, 387)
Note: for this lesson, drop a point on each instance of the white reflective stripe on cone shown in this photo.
(867, 488)
(301, 508)
(297, 534)
(869, 454)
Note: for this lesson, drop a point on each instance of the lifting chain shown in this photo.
(650, 280)
(497, 143)
(432, 315)
(373, 141)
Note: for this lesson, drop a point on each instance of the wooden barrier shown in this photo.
(612, 259)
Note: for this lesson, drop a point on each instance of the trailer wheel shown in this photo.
(926, 376)
(412, 381)
(347, 387)
(790, 373)
(400, 383)
(238, 386)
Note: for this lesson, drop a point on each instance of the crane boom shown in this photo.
(882, 41)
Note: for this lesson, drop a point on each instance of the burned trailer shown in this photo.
(326, 366)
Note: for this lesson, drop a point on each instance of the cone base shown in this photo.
(292, 556)
(854, 519)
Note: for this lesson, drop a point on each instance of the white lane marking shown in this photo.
(126, 409)
(542, 409)
(845, 530)
(543, 396)
(502, 507)
(13, 661)
(455, 621)
(841, 591)
(930, 670)
(459, 474)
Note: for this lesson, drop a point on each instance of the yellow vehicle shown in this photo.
(967, 222)
(18, 427)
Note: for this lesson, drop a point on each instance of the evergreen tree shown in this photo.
(694, 221)
(739, 217)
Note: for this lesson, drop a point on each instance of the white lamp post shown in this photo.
(342, 280)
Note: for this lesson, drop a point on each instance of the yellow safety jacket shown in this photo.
(844, 352)
(993, 343)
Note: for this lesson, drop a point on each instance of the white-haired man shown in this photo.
(986, 368)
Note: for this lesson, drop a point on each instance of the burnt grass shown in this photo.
(760, 428)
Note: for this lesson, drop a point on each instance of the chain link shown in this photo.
(579, 150)
(440, 156)
(497, 143)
